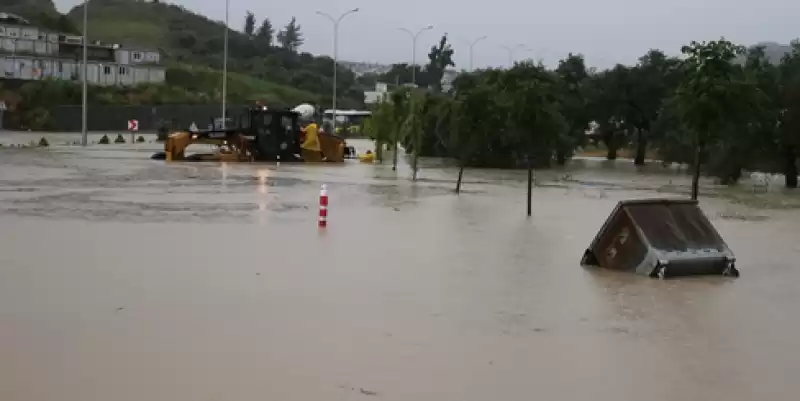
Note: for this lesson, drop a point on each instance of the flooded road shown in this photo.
(127, 279)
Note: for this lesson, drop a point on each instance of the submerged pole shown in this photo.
(85, 70)
(323, 207)
(530, 185)
(225, 69)
(696, 175)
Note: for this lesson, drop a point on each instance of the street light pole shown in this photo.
(414, 37)
(511, 50)
(335, 22)
(84, 94)
(225, 70)
(471, 47)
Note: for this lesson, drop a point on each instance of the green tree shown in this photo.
(265, 32)
(532, 99)
(710, 98)
(249, 24)
(412, 129)
(367, 80)
(788, 100)
(399, 100)
(379, 126)
(653, 79)
(402, 73)
(440, 57)
(290, 37)
(609, 100)
(573, 78)
(750, 135)
(471, 119)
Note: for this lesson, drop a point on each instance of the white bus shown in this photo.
(346, 117)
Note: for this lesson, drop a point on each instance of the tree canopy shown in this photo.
(719, 106)
(290, 38)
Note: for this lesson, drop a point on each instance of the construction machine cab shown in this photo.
(275, 133)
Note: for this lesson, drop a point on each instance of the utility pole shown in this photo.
(414, 37)
(336, 22)
(225, 69)
(471, 48)
(84, 94)
(511, 50)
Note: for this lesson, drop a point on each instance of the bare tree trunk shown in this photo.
(611, 145)
(414, 164)
(561, 157)
(641, 148)
(790, 167)
(530, 186)
(612, 153)
(696, 176)
(460, 176)
(414, 167)
(415, 142)
(379, 150)
(394, 156)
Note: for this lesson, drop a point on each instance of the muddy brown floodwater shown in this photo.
(126, 279)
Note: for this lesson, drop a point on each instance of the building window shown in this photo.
(123, 71)
(60, 66)
(107, 70)
(137, 56)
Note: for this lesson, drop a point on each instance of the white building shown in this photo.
(380, 93)
(30, 53)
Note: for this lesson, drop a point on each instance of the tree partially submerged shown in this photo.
(380, 126)
(716, 109)
(714, 96)
(465, 125)
(788, 100)
(399, 104)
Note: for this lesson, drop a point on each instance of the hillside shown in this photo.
(29, 9)
(42, 13)
(188, 38)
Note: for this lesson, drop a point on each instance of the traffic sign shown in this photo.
(133, 125)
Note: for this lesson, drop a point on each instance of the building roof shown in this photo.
(9, 18)
(13, 18)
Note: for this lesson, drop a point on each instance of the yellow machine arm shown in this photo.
(175, 145)
(332, 147)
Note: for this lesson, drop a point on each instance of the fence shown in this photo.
(115, 117)
(69, 118)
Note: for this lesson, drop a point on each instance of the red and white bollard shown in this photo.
(323, 206)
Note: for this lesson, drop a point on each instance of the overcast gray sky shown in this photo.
(606, 32)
